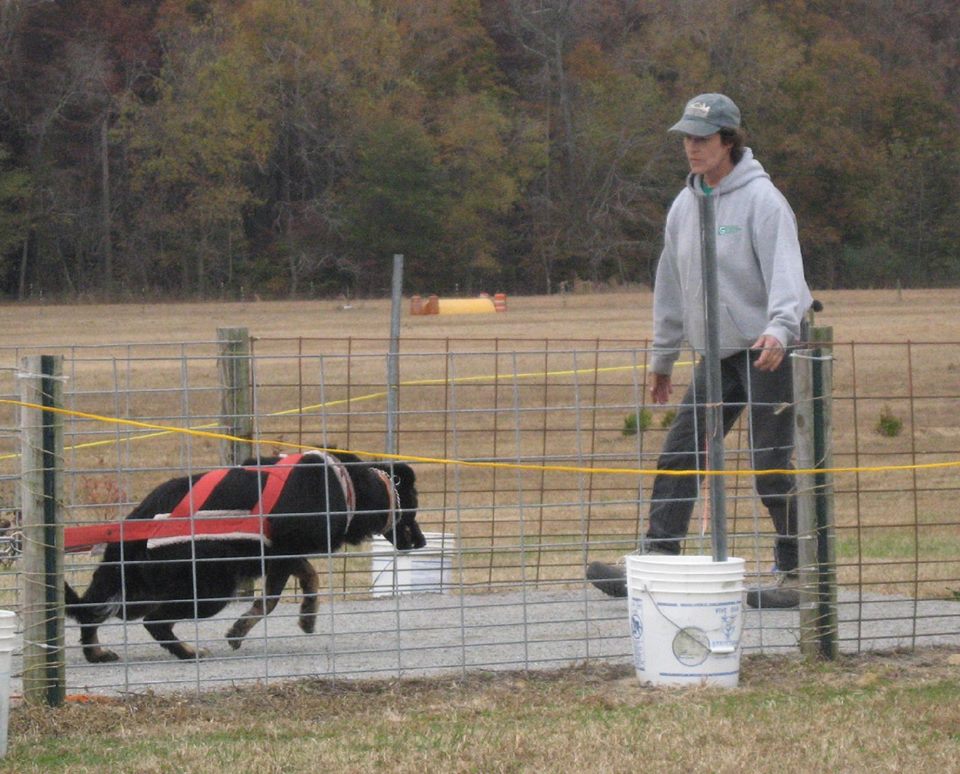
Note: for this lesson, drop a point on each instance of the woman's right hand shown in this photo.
(661, 388)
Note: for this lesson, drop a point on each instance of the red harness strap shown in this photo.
(191, 505)
(277, 476)
(199, 493)
(184, 522)
(83, 538)
(280, 472)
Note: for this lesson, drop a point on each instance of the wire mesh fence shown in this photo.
(532, 457)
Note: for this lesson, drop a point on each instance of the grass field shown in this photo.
(893, 712)
(861, 315)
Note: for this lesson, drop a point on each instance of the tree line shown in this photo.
(288, 148)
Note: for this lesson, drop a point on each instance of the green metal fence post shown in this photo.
(41, 500)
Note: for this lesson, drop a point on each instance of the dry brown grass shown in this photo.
(862, 316)
(894, 712)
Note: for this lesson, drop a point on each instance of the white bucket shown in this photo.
(420, 571)
(8, 632)
(686, 617)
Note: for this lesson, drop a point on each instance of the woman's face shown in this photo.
(708, 156)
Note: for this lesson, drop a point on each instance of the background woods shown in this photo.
(226, 148)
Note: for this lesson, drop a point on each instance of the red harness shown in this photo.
(277, 475)
(185, 520)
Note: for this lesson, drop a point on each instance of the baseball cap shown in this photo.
(706, 114)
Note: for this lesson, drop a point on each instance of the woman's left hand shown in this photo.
(771, 353)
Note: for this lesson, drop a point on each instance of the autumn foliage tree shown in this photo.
(290, 147)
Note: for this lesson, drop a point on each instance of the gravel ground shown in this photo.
(433, 634)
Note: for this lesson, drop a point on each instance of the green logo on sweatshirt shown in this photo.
(722, 230)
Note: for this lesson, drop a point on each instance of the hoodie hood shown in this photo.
(743, 173)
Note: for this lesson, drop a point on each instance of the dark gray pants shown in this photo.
(769, 396)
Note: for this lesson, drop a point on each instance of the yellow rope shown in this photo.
(165, 430)
(468, 464)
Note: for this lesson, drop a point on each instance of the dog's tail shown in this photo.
(72, 599)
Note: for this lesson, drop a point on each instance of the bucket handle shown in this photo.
(719, 650)
(723, 650)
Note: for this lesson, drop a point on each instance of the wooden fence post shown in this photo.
(236, 404)
(41, 499)
(806, 498)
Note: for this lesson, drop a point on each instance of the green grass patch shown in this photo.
(637, 422)
(667, 418)
(889, 425)
(898, 544)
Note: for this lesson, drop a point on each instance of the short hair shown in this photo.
(736, 139)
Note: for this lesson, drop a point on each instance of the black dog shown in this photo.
(304, 503)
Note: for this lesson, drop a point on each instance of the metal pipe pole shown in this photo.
(822, 377)
(711, 361)
(393, 359)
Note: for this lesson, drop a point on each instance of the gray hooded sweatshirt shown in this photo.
(759, 268)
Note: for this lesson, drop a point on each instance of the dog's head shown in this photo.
(403, 530)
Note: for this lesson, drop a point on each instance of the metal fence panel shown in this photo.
(533, 455)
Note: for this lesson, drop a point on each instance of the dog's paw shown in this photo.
(188, 653)
(100, 655)
(237, 632)
(234, 641)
